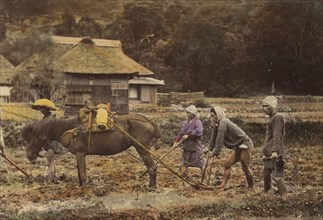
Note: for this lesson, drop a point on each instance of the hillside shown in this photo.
(224, 48)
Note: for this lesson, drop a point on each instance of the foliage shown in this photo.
(256, 131)
(285, 45)
(21, 8)
(41, 79)
(21, 88)
(224, 48)
(23, 46)
(12, 133)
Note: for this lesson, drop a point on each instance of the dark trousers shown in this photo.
(267, 179)
(272, 172)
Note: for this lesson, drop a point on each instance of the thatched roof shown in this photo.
(87, 58)
(6, 71)
(41, 60)
(113, 58)
(113, 50)
(4, 63)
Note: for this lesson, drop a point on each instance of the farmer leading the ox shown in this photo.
(46, 107)
(190, 133)
(273, 148)
(226, 133)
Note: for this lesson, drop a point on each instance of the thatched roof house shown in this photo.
(87, 61)
(6, 74)
(104, 74)
(92, 73)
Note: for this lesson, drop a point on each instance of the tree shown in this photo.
(199, 55)
(140, 26)
(285, 45)
(40, 78)
(21, 47)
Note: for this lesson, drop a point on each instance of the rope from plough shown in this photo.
(200, 185)
(133, 156)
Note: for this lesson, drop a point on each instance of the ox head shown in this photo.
(33, 143)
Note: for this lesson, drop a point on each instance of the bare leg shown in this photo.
(245, 162)
(183, 171)
(227, 169)
(202, 170)
(81, 168)
(50, 155)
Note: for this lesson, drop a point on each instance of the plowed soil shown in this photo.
(115, 190)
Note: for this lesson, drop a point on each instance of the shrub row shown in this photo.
(297, 132)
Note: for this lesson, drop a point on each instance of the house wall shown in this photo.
(99, 89)
(143, 94)
(166, 99)
(153, 95)
(4, 94)
(134, 92)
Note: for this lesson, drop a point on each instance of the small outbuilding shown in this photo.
(6, 74)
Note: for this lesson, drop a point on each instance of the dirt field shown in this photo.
(115, 190)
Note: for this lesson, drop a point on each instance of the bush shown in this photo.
(12, 133)
(297, 132)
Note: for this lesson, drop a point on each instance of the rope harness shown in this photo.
(194, 185)
(67, 136)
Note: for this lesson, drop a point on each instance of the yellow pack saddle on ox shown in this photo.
(97, 118)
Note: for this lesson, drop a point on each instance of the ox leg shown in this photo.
(50, 155)
(151, 167)
(81, 168)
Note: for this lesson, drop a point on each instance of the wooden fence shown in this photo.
(166, 99)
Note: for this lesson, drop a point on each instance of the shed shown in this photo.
(6, 74)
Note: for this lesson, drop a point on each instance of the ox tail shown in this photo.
(157, 136)
(157, 133)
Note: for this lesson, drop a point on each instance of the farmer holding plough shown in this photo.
(190, 135)
(226, 133)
